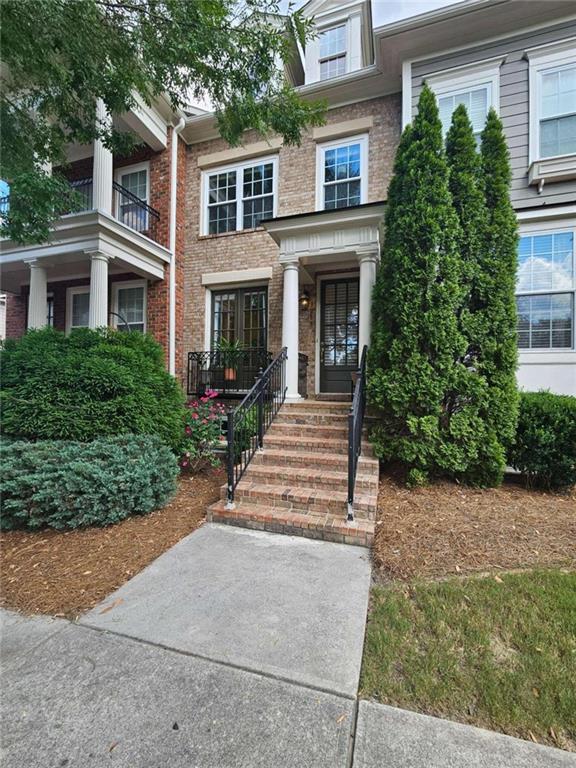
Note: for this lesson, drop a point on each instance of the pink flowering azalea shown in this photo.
(188, 429)
(195, 416)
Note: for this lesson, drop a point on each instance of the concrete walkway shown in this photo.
(234, 649)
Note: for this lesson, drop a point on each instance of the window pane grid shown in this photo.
(240, 315)
(240, 198)
(342, 176)
(476, 102)
(258, 197)
(558, 112)
(80, 310)
(131, 309)
(222, 202)
(545, 321)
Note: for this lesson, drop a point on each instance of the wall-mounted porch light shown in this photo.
(304, 300)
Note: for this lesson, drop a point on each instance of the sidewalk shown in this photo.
(234, 649)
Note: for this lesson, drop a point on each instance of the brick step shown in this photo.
(321, 418)
(278, 520)
(318, 405)
(337, 462)
(309, 477)
(311, 443)
(305, 430)
(313, 500)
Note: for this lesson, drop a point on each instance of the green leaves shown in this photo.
(444, 387)
(60, 56)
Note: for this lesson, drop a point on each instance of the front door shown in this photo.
(338, 334)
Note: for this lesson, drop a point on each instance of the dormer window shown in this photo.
(332, 52)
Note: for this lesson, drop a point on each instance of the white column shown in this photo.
(102, 166)
(367, 279)
(290, 329)
(98, 312)
(37, 300)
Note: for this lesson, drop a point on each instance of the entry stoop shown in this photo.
(298, 483)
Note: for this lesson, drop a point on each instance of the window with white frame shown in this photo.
(475, 86)
(239, 197)
(552, 98)
(78, 307)
(133, 179)
(557, 117)
(342, 173)
(129, 302)
(333, 52)
(476, 99)
(546, 284)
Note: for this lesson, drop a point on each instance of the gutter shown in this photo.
(172, 247)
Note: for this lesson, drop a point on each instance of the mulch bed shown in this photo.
(446, 529)
(67, 573)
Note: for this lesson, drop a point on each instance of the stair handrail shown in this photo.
(355, 427)
(249, 421)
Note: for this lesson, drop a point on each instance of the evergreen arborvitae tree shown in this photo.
(493, 319)
(468, 198)
(417, 378)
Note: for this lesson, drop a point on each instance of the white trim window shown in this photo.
(333, 52)
(77, 307)
(135, 179)
(552, 72)
(476, 86)
(557, 111)
(238, 197)
(342, 173)
(546, 284)
(129, 305)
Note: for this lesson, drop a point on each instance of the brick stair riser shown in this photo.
(330, 462)
(308, 430)
(317, 406)
(291, 527)
(304, 504)
(321, 419)
(313, 445)
(309, 479)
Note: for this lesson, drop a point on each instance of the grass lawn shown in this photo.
(498, 652)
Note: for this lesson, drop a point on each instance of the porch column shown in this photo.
(98, 311)
(368, 263)
(102, 166)
(290, 328)
(37, 300)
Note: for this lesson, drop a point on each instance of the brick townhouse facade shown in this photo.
(273, 246)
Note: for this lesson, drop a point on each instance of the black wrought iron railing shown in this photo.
(248, 423)
(129, 209)
(355, 427)
(228, 373)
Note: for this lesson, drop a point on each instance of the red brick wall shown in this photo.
(15, 315)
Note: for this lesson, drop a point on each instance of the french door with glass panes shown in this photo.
(240, 314)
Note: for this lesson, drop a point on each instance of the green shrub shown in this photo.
(70, 484)
(545, 446)
(88, 384)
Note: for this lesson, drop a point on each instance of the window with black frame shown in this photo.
(240, 315)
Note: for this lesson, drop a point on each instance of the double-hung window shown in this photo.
(342, 173)
(333, 52)
(133, 192)
(77, 307)
(557, 118)
(240, 197)
(129, 305)
(476, 99)
(545, 291)
(475, 86)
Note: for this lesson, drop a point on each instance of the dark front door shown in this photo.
(338, 334)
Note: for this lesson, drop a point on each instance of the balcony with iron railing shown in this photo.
(129, 209)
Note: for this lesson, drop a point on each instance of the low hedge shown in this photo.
(62, 484)
(545, 447)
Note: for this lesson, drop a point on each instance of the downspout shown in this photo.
(172, 247)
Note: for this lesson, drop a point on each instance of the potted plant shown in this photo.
(231, 352)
